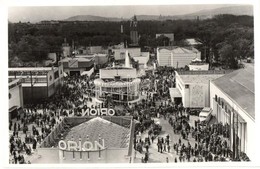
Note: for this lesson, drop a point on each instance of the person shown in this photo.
(142, 160)
(175, 160)
(158, 145)
(146, 157)
(147, 147)
(167, 160)
(164, 147)
(152, 138)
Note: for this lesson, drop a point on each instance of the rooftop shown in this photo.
(31, 68)
(193, 42)
(182, 50)
(117, 68)
(115, 136)
(200, 76)
(240, 86)
(79, 59)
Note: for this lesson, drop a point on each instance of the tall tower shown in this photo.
(133, 32)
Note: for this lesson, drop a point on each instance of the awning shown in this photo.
(174, 92)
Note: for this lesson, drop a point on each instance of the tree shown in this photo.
(162, 41)
(227, 55)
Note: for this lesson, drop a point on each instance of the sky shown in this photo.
(38, 13)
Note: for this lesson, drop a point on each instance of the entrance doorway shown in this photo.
(74, 73)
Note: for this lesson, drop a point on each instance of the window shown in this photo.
(216, 98)
(187, 86)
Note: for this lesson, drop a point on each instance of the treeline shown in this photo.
(225, 38)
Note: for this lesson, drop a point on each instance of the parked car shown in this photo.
(205, 114)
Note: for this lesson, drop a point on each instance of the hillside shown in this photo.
(203, 14)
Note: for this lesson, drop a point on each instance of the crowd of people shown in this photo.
(39, 119)
(211, 141)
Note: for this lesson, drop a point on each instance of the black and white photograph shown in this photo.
(131, 84)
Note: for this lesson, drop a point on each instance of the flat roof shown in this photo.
(79, 59)
(179, 50)
(118, 68)
(31, 68)
(199, 78)
(115, 136)
(240, 86)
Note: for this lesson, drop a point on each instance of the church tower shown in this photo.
(133, 32)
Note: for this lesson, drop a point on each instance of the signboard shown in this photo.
(86, 146)
(73, 63)
(99, 112)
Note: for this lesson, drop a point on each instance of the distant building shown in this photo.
(66, 49)
(15, 97)
(197, 64)
(133, 32)
(119, 83)
(177, 57)
(142, 59)
(96, 49)
(232, 98)
(168, 35)
(192, 87)
(193, 42)
(52, 59)
(119, 54)
(100, 59)
(38, 82)
(78, 65)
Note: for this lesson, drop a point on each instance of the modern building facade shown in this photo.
(119, 54)
(120, 83)
(232, 98)
(89, 139)
(77, 65)
(193, 88)
(177, 57)
(15, 97)
(38, 82)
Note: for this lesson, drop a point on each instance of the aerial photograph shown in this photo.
(131, 84)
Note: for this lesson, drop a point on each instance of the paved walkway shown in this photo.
(157, 157)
